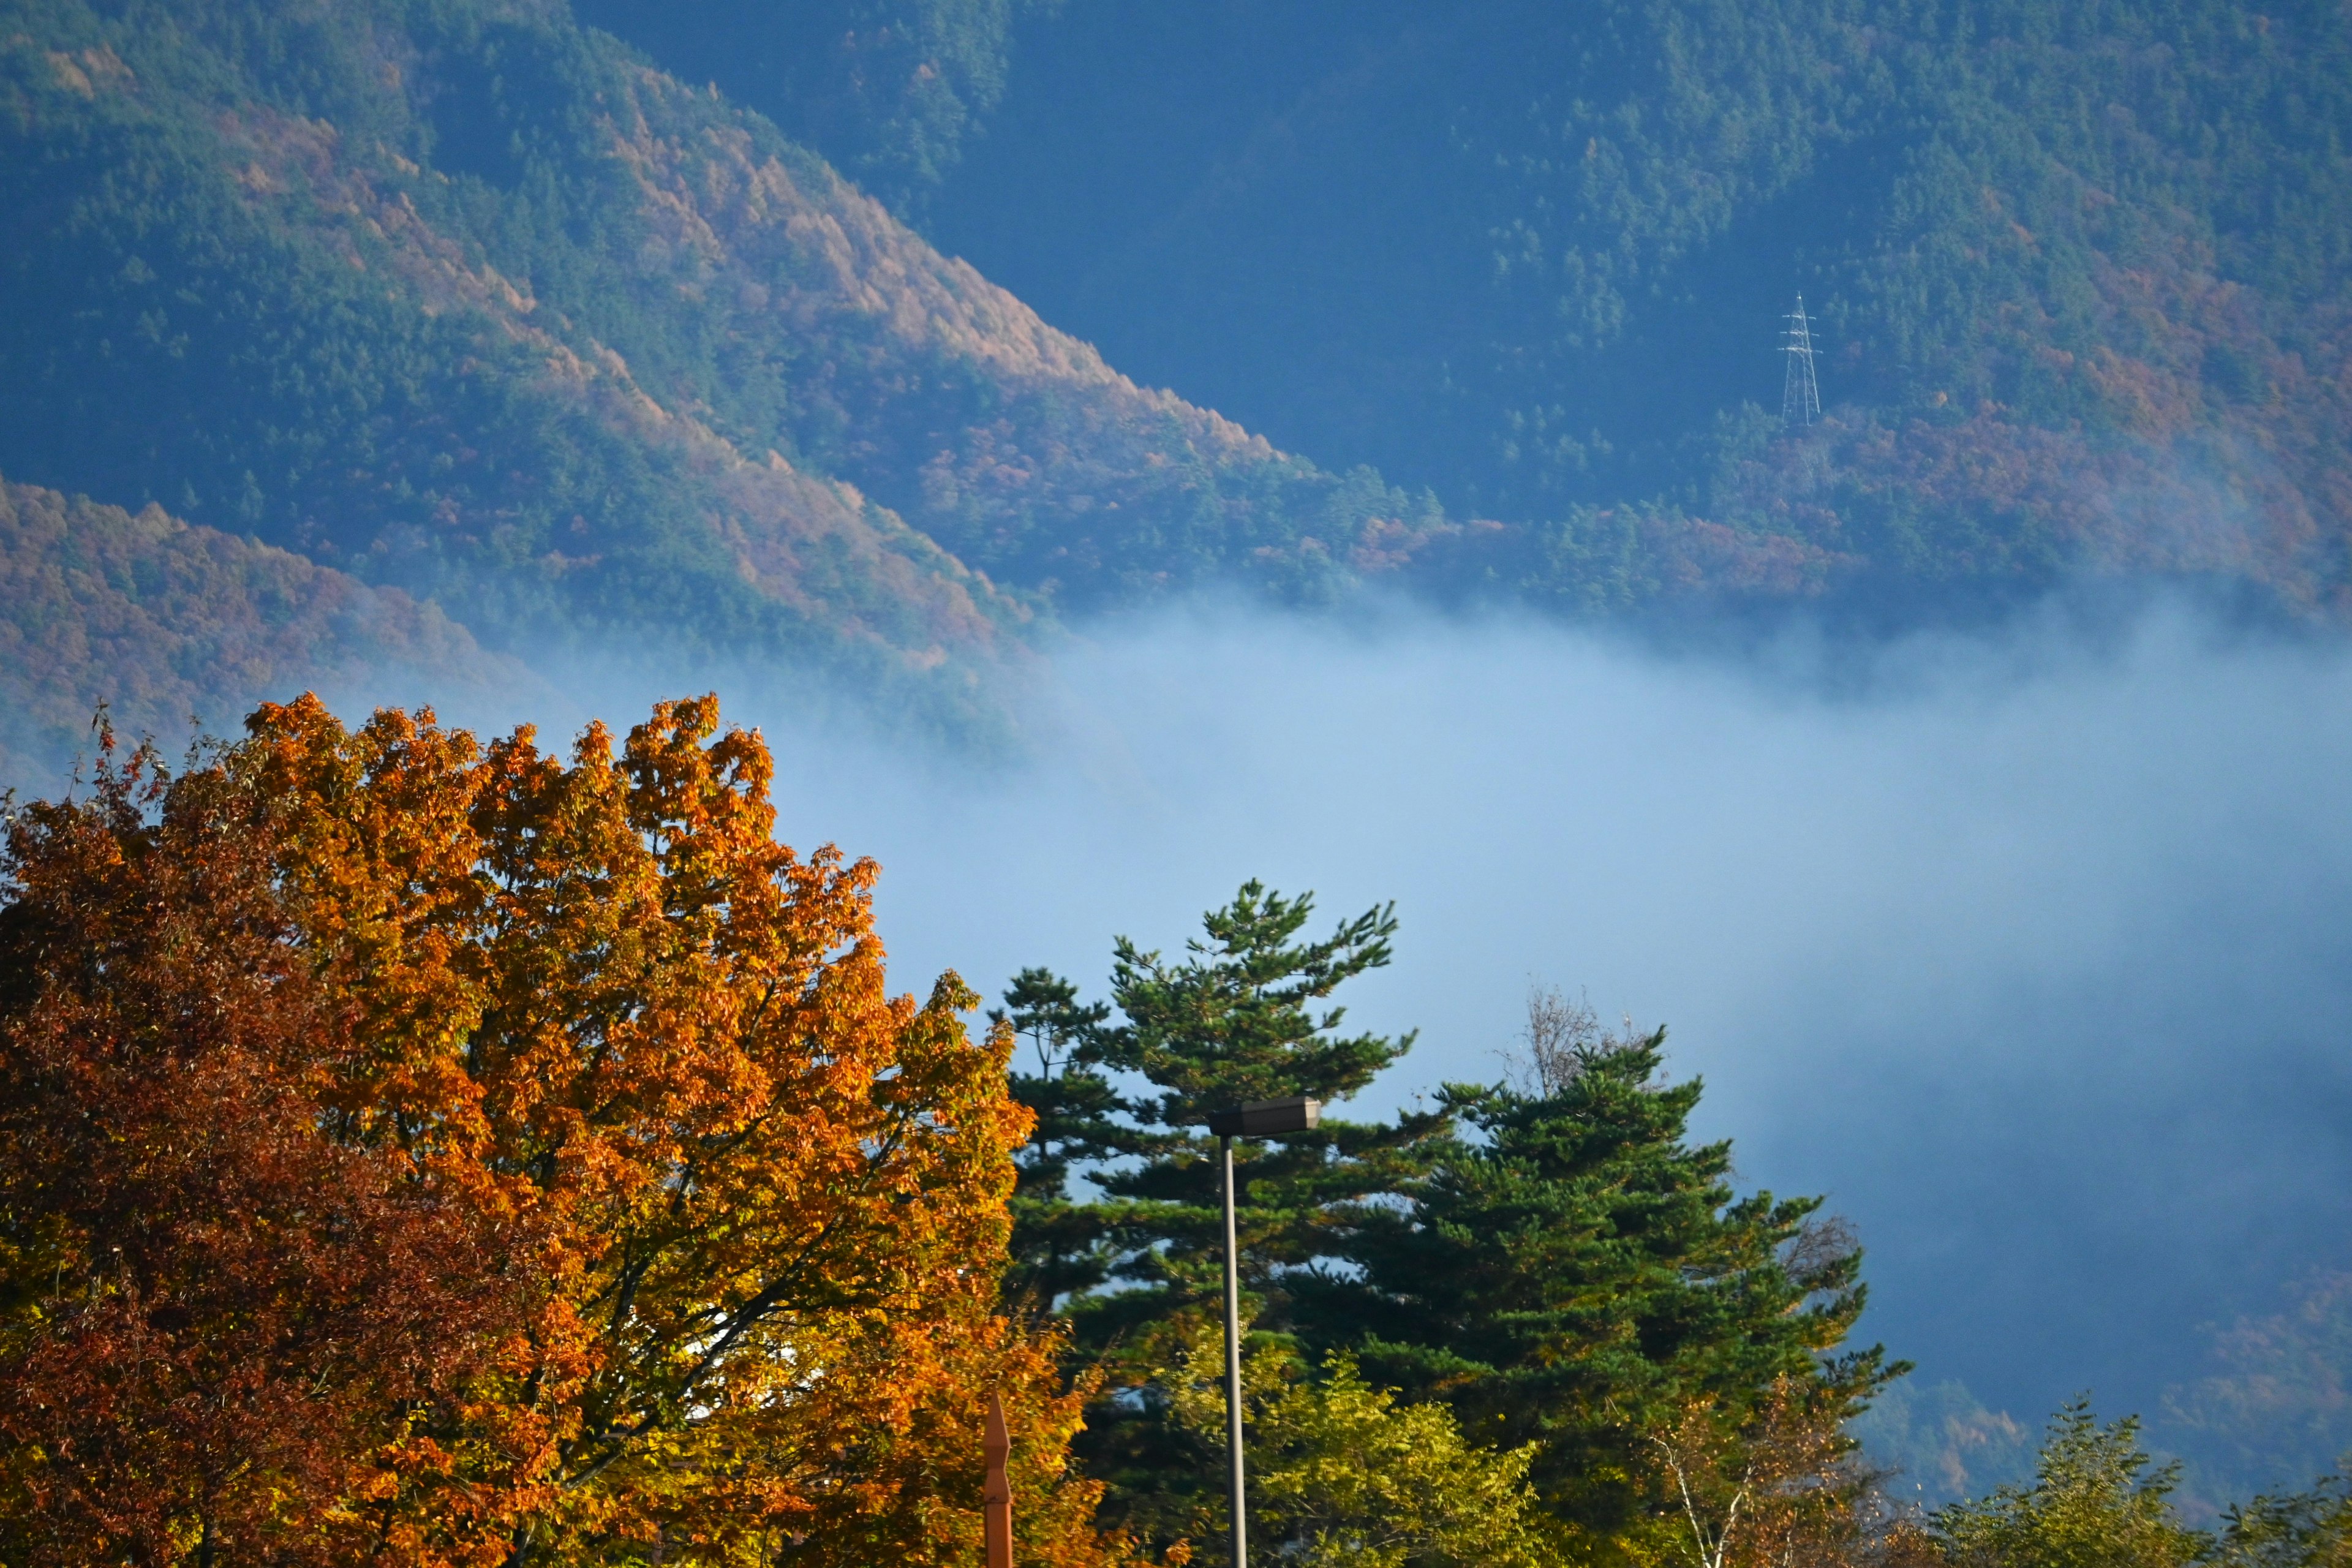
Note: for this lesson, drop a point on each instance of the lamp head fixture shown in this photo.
(1268, 1117)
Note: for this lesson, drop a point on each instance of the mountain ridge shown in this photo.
(672, 376)
(1532, 257)
(468, 298)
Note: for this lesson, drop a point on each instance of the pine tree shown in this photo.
(1242, 1016)
(1554, 1261)
(1577, 1275)
(1058, 1241)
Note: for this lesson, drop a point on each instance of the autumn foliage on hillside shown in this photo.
(455, 1152)
(159, 620)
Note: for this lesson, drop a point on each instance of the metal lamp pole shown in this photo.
(1259, 1119)
(1237, 1505)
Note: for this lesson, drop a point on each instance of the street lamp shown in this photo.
(1258, 1119)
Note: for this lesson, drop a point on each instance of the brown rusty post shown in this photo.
(996, 1495)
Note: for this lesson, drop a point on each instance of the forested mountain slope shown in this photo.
(459, 296)
(163, 622)
(468, 297)
(2083, 273)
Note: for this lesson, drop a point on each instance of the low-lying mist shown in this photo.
(2029, 950)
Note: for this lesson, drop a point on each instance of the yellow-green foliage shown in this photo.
(1342, 1472)
(2094, 1502)
(2298, 1529)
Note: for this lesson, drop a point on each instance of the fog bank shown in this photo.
(2027, 950)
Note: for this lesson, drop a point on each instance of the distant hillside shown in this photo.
(468, 298)
(2082, 272)
(463, 298)
(161, 622)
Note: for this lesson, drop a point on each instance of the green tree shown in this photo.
(1236, 1019)
(1058, 1240)
(2096, 1501)
(1554, 1264)
(1244, 1014)
(1578, 1276)
(2299, 1529)
(1343, 1472)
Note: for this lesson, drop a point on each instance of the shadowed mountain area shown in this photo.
(2079, 275)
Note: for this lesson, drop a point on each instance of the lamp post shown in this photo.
(1258, 1119)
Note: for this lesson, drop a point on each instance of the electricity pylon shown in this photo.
(1801, 395)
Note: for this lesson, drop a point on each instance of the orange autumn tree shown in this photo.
(217, 1325)
(685, 1233)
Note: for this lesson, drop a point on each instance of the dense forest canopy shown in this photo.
(466, 299)
(2080, 272)
(165, 622)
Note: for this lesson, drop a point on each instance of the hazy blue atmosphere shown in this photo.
(2032, 950)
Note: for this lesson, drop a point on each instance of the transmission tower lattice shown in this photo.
(1801, 395)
